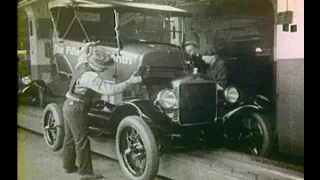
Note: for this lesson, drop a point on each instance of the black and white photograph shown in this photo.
(160, 89)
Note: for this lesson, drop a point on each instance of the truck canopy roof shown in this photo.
(125, 6)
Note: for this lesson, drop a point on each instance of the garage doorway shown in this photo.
(243, 33)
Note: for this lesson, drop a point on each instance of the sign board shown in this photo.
(284, 17)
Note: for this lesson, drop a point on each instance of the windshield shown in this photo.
(98, 24)
(146, 27)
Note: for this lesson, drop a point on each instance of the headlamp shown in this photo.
(166, 98)
(26, 80)
(232, 94)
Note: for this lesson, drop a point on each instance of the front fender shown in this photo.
(33, 84)
(40, 84)
(242, 110)
(142, 108)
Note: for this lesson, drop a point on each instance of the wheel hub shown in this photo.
(51, 129)
(134, 155)
(248, 139)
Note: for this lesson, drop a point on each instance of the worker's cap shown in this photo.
(194, 43)
(99, 58)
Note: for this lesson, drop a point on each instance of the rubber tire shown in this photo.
(266, 129)
(57, 114)
(40, 95)
(149, 141)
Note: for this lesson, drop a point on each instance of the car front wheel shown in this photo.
(137, 149)
(38, 99)
(252, 135)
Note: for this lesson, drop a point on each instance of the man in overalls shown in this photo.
(217, 70)
(84, 84)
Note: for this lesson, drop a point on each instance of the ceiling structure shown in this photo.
(249, 9)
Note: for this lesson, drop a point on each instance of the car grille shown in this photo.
(197, 102)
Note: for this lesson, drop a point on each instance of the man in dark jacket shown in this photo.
(192, 48)
(85, 83)
(217, 68)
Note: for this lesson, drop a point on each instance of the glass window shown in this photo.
(148, 27)
(97, 24)
(62, 65)
(44, 28)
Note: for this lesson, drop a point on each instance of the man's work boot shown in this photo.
(91, 176)
(72, 170)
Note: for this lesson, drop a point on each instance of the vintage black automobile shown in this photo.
(30, 92)
(171, 109)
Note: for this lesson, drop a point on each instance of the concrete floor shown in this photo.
(37, 162)
(219, 164)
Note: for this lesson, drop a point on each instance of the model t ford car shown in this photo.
(170, 109)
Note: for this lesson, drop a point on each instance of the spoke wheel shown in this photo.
(53, 131)
(38, 99)
(256, 135)
(133, 151)
(252, 135)
(137, 149)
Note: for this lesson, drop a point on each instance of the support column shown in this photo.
(32, 42)
(290, 81)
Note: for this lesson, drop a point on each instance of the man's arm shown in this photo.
(95, 82)
(83, 54)
(85, 49)
(222, 74)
